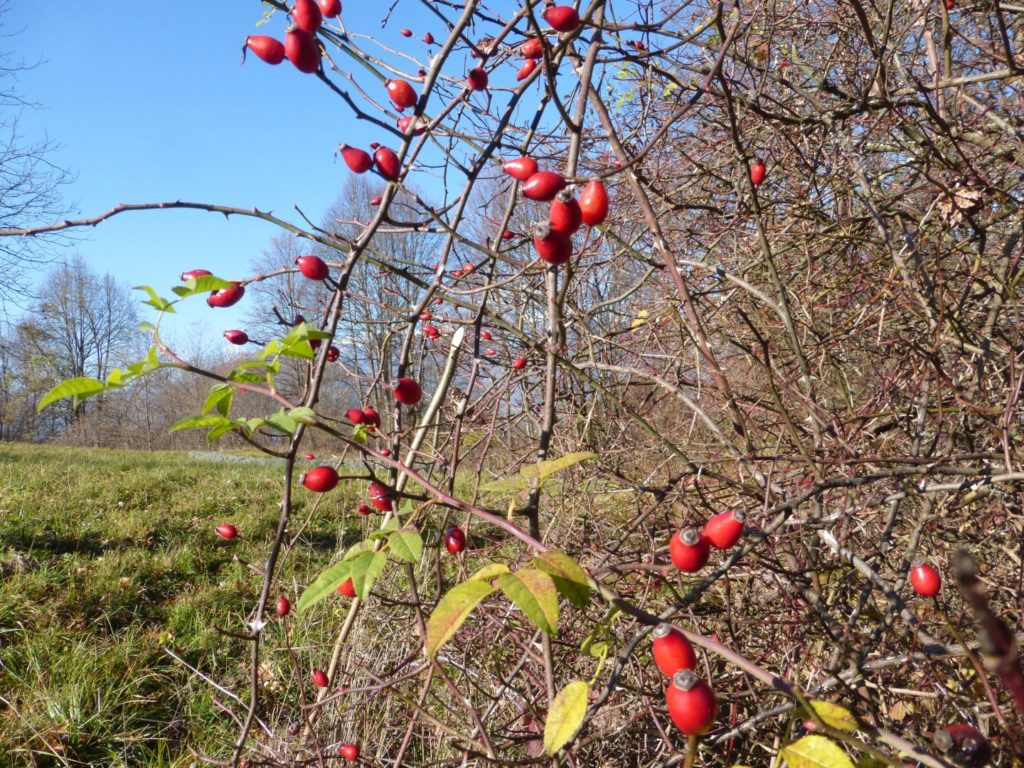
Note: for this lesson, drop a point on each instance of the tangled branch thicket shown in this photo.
(835, 352)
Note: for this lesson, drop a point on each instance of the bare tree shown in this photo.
(84, 324)
(30, 184)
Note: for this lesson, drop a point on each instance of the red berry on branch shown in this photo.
(265, 47)
(565, 216)
(320, 479)
(554, 248)
(313, 267)
(226, 297)
(387, 163)
(349, 751)
(691, 704)
(724, 529)
(562, 17)
(454, 540)
(320, 678)
(757, 171)
(194, 274)
(237, 337)
(284, 606)
(532, 48)
(330, 8)
(302, 50)
(526, 70)
(307, 16)
(672, 651)
(347, 588)
(371, 418)
(594, 203)
(401, 93)
(925, 580)
(543, 185)
(689, 551)
(380, 497)
(521, 168)
(477, 79)
(407, 391)
(358, 160)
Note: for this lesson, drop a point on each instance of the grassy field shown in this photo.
(108, 559)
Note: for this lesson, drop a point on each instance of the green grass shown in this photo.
(106, 559)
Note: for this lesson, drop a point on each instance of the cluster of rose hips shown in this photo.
(691, 703)
(553, 238)
(690, 550)
(300, 46)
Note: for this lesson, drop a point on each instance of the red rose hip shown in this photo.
(594, 203)
(689, 551)
(562, 17)
(691, 703)
(302, 51)
(925, 580)
(284, 606)
(724, 529)
(521, 168)
(358, 160)
(401, 93)
(313, 267)
(757, 171)
(266, 48)
(380, 497)
(227, 531)
(454, 540)
(349, 751)
(671, 650)
(320, 678)
(407, 391)
(226, 297)
(543, 185)
(320, 479)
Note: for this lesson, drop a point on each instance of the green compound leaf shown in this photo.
(79, 387)
(324, 585)
(406, 545)
(534, 593)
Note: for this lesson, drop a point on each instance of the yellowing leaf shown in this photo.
(534, 594)
(566, 716)
(569, 578)
(835, 716)
(546, 469)
(488, 572)
(452, 611)
(815, 751)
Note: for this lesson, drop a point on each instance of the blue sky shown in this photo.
(150, 103)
